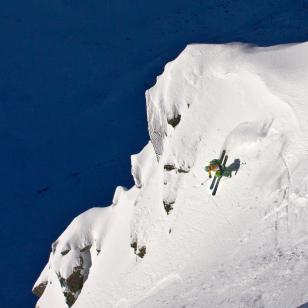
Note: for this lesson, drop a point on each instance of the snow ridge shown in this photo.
(166, 242)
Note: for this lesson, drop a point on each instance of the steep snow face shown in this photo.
(167, 242)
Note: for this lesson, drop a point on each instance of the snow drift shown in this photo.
(167, 242)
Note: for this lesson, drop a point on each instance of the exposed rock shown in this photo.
(169, 167)
(174, 121)
(142, 252)
(69, 298)
(134, 245)
(182, 170)
(168, 206)
(86, 248)
(75, 281)
(39, 290)
(65, 252)
(73, 284)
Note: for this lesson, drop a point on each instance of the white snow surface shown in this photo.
(245, 247)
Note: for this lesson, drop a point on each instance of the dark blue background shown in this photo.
(72, 80)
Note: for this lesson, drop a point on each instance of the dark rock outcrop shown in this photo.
(39, 290)
(174, 121)
(73, 284)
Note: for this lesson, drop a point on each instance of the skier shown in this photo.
(215, 166)
(219, 167)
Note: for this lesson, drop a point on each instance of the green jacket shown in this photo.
(225, 172)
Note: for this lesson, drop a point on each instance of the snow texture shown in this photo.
(167, 242)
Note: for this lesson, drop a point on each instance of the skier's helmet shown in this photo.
(214, 162)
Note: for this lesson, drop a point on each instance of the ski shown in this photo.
(220, 159)
(213, 182)
(218, 181)
(216, 186)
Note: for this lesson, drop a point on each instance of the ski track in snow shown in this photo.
(245, 247)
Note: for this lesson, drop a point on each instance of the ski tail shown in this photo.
(213, 182)
(216, 186)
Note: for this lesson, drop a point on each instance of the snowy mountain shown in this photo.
(167, 242)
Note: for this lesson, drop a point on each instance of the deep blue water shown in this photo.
(72, 110)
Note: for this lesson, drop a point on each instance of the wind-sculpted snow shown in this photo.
(167, 242)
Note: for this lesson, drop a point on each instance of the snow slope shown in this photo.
(167, 242)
